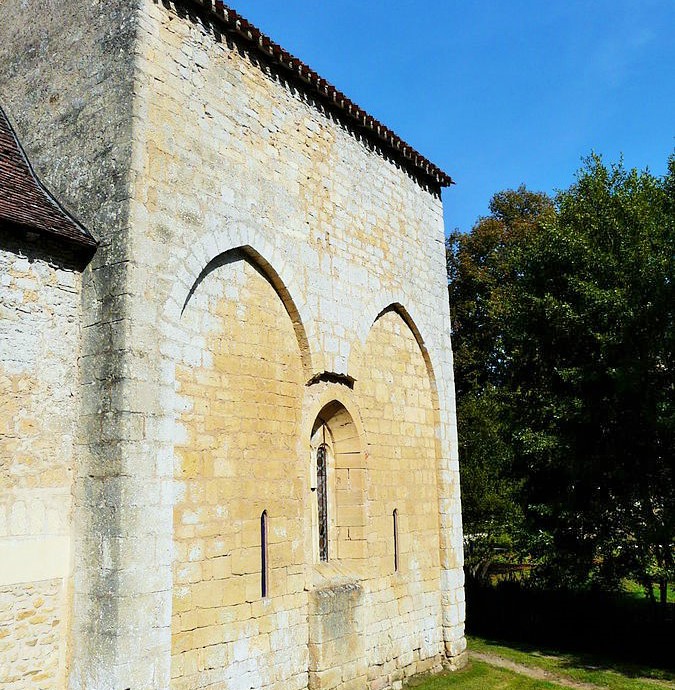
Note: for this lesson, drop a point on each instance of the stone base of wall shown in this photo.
(336, 644)
(394, 678)
(456, 663)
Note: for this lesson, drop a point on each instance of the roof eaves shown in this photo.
(74, 233)
(235, 23)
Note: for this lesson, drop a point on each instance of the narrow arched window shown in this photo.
(395, 540)
(264, 562)
(322, 491)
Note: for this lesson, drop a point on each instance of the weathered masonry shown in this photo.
(228, 452)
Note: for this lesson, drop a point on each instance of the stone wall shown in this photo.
(39, 349)
(231, 157)
(229, 202)
(239, 382)
(395, 396)
(66, 78)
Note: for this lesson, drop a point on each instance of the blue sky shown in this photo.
(497, 93)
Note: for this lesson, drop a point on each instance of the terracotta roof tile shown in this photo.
(24, 202)
(234, 23)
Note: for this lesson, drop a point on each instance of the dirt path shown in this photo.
(541, 674)
(532, 672)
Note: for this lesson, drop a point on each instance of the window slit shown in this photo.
(322, 490)
(264, 563)
(395, 540)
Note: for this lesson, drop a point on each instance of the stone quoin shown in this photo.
(228, 448)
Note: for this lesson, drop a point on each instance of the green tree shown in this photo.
(479, 266)
(563, 338)
(588, 328)
(478, 269)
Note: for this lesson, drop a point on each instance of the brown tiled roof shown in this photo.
(24, 202)
(234, 23)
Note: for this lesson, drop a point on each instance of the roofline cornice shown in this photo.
(234, 23)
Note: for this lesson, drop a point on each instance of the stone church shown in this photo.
(228, 453)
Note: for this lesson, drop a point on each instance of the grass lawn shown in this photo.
(573, 668)
(580, 667)
(480, 676)
(636, 591)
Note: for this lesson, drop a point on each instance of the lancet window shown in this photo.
(322, 497)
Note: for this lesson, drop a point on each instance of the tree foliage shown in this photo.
(479, 267)
(563, 337)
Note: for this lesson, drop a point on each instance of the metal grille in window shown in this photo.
(322, 490)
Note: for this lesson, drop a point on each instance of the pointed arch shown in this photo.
(398, 394)
(230, 243)
(398, 308)
(235, 368)
(339, 469)
(267, 271)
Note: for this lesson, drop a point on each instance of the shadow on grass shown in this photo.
(586, 661)
(594, 630)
